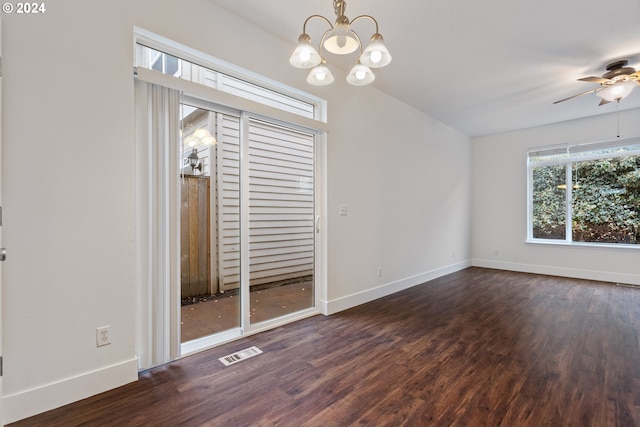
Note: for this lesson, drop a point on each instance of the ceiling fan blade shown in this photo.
(603, 101)
(594, 79)
(575, 96)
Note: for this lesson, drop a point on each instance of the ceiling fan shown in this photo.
(615, 84)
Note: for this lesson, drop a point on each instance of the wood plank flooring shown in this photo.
(479, 347)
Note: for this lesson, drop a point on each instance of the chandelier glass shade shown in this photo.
(305, 55)
(340, 39)
(360, 75)
(376, 54)
(320, 75)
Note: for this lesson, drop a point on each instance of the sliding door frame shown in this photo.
(215, 100)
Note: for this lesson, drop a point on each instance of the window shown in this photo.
(586, 193)
(147, 57)
(166, 64)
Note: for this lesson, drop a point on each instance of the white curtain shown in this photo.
(157, 235)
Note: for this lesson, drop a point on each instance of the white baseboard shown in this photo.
(576, 273)
(348, 301)
(37, 400)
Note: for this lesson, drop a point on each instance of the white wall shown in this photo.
(499, 209)
(68, 187)
(406, 186)
(67, 178)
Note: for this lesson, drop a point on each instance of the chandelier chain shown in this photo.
(339, 7)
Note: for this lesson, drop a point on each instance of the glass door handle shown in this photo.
(318, 224)
(3, 254)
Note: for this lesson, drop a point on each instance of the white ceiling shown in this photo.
(480, 66)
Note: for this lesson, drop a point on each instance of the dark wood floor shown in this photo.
(475, 348)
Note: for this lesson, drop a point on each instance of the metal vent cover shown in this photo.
(239, 356)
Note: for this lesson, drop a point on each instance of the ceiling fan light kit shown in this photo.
(616, 84)
(340, 39)
(617, 91)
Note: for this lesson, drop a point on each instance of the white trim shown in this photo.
(282, 320)
(245, 263)
(211, 341)
(577, 273)
(607, 246)
(43, 398)
(570, 153)
(568, 203)
(349, 301)
(529, 230)
(321, 252)
(203, 343)
(603, 145)
(1, 288)
(173, 229)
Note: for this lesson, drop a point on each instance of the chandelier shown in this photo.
(340, 39)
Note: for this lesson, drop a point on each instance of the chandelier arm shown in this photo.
(324, 36)
(369, 17)
(304, 26)
(359, 41)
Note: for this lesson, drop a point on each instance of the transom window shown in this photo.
(159, 61)
(585, 193)
(153, 59)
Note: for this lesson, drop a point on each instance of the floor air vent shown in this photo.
(240, 355)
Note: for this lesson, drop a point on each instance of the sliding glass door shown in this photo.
(247, 222)
(209, 222)
(281, 220)
(227, 205)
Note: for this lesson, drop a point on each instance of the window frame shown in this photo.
(569, 155)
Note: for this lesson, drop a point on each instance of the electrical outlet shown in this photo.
(344, 210)
(103, 335)
(379, 271)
